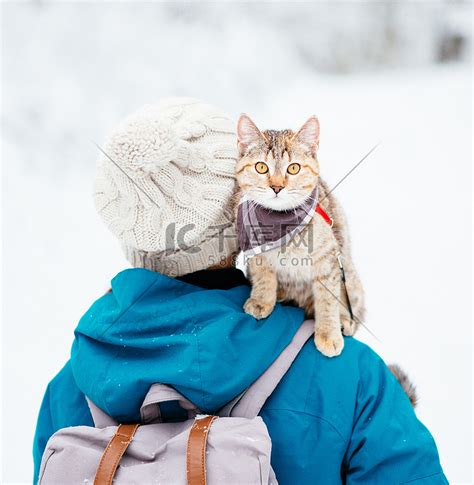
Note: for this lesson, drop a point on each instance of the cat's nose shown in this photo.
(277, 188)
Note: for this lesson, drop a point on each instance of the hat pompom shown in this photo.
(145, 145)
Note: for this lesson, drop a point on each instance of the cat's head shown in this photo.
(277, 169)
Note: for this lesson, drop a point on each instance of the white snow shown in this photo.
(70, 73)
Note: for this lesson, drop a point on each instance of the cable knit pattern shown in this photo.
(165, 193)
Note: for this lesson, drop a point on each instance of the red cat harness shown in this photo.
(324, 215)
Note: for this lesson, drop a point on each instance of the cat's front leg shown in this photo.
(352, 294)
(348, 325)
(264, 288)
(327, 288)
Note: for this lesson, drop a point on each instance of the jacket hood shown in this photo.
(151, 328)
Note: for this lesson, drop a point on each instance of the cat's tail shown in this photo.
(405, 382)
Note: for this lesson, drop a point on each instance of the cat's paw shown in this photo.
(348, 326)
(258, 309)
(329, 344)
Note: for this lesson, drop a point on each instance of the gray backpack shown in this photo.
(231, 447)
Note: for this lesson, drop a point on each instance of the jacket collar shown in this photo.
(216, 279)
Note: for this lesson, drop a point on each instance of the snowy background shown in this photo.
(394, 72)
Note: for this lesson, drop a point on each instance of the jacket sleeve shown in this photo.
(388, 443)
(63, 405)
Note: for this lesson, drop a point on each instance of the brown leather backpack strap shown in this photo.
(113, 454)
(196, 450)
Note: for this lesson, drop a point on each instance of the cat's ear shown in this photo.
(247, 134)
(308, 135)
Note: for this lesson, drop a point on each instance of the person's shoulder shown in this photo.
(334, 388)
(357, 360)
(363, 354)
(354, 370)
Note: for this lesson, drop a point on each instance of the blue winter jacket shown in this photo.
(332, 421)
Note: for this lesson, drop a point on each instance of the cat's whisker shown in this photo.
(253, 204)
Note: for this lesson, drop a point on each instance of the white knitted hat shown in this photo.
(164, 186)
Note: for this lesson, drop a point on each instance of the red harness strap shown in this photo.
(323, 214)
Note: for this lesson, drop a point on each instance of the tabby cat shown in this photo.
(299, 261)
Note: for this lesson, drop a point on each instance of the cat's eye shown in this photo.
(293, 168)
(261, 167)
